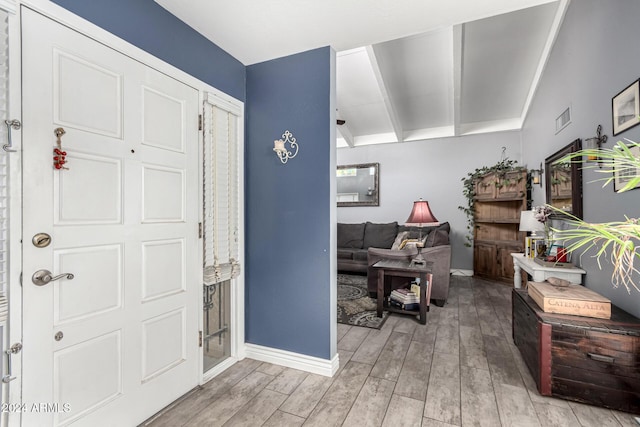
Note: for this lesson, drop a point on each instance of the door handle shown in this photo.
(15, 124)
(42, 277)
(14, 349)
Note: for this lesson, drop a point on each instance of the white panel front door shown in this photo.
(119, 341)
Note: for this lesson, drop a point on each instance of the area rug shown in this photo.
(354, 305)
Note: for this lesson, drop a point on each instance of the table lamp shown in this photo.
(528, 222)
(421, 216)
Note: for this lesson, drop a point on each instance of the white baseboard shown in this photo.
(459, 272)
(314, 365)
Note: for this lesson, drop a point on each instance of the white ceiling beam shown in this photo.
(428, 133)
(546, 52)
(391, 111)
(346, 134)
(380, 138)
(502, 125)
(458, 51)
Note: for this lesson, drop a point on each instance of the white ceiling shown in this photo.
(470, 78)
(406, 69)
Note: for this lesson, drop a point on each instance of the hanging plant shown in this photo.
(469, 189)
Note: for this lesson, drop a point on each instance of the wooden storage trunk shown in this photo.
(588, 360)
(574, 299)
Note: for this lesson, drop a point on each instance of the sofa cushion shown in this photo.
(350, 235)
(380, 235)
(416, 232)
(360, 255)
(399, 239)
(345, 253)
(445, 227)
(376, 254)
(437, 238)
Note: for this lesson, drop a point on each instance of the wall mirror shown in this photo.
(564, 182)
(357, 185)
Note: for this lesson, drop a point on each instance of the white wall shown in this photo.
(596, 55)
(432, 170)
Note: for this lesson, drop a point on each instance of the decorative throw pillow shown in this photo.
(406, 243)
(437, 238)
(399, 238)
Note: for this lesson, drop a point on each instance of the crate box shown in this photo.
(573, 299)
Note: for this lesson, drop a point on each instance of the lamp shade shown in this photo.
(528, 222)
(421, 214)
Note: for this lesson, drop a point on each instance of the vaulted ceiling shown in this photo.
(465, 79)
(406, 70)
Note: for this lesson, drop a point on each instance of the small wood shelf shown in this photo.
(390, 268)
(498, 221)
(500, 200)
(500, 242)
(393, 309)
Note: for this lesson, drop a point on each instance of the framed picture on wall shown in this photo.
(622, 175)
(625, 108)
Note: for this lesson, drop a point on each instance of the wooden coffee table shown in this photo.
(402, 268)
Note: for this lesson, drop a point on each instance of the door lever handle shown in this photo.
(42, 277)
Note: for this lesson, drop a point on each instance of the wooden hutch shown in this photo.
(499, 199)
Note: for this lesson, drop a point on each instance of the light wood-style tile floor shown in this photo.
(460, 369)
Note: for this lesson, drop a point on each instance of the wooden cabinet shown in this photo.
(494, 260)
(506, 269)
(484, 259)
(499, 199)
(588, 360)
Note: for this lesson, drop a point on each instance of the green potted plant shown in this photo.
(619, 240)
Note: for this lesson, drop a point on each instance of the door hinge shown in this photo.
(199, 121)
(199, 338)
(199, 230)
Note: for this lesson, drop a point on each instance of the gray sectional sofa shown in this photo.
(362, 245)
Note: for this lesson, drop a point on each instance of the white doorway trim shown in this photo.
(75, 22)
(14, 330)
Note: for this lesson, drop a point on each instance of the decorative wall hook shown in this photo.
(279, 147)
(59, 159)
(595, 143)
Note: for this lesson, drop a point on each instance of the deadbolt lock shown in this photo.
(41, 240)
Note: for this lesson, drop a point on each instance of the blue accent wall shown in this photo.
(152, 28)
(288, 206)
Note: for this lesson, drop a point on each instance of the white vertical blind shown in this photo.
(4, 163)
(221, 192)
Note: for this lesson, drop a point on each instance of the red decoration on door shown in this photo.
(60, 156)
(59, 159)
